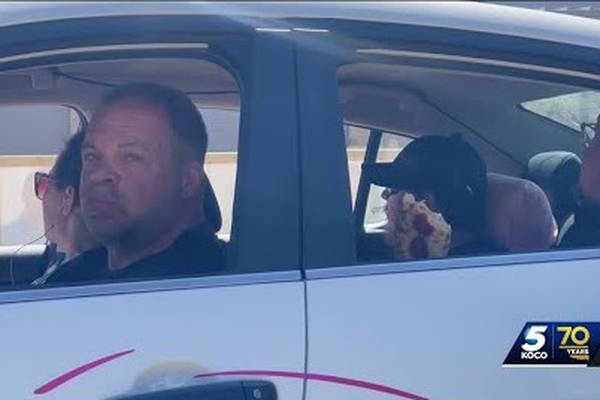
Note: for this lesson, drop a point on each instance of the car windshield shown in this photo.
(573, 110)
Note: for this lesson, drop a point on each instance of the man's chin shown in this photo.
(106, 230)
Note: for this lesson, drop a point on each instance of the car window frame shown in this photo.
(364, 186)
(247, 262)
(495, 57)
(578, 133)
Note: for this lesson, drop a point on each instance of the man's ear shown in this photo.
(68, 201)
(192, 179)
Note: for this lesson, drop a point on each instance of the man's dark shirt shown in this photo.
(195, 252)
(585, 231)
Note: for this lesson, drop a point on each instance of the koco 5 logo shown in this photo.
(542, 343)
(535, 339)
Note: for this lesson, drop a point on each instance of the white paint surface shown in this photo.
(257, 327)
(444, 335)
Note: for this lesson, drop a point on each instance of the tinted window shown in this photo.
(32, 134)
(395, 103)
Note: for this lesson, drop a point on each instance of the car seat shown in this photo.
(518, 215)
(557, 173)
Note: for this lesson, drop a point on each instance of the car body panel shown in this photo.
(171, 335)
(444, 334)
(347, 331)
(469, 16)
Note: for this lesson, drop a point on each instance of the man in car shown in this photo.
(142, 188)
(451, 177)
(585, 230)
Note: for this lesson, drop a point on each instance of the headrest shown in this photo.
(554, 168)
(557, 172)
(519, 217)
(212, 211)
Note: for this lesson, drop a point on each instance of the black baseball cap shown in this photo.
(445, 165)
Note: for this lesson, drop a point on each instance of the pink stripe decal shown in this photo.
(324, 378)
(61, 380)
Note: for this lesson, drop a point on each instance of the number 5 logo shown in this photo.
(535, 338)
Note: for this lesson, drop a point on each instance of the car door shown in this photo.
(433, 329)
(201, 335)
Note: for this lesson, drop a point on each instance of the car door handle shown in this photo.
(228, 390)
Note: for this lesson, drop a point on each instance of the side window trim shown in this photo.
(108, 289)
(485, 65)
(523, 260)
(265, 233)
(327, 230)
(288, 259)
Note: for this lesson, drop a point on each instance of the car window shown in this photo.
(221, 159)
(34, 135)
(402, 103)
(21, 218)
(571, 110)
(389, 146)
(31, 135)
(356, 144)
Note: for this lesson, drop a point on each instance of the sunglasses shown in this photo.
(41, 182)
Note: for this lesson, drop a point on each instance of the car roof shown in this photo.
(470, 16)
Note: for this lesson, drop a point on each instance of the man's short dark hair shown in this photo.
(184, 118)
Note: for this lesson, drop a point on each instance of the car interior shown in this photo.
(80, 86)
(533, 162)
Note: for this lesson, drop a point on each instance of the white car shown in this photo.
(306, 310)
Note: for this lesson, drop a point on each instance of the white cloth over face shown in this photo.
(413, 230)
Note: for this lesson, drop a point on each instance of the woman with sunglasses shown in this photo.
(59, 192)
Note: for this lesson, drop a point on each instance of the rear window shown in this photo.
(570, 110)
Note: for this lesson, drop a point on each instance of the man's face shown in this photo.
(590, 170)
(131, 177)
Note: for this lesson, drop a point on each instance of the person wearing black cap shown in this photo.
(451, 177)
